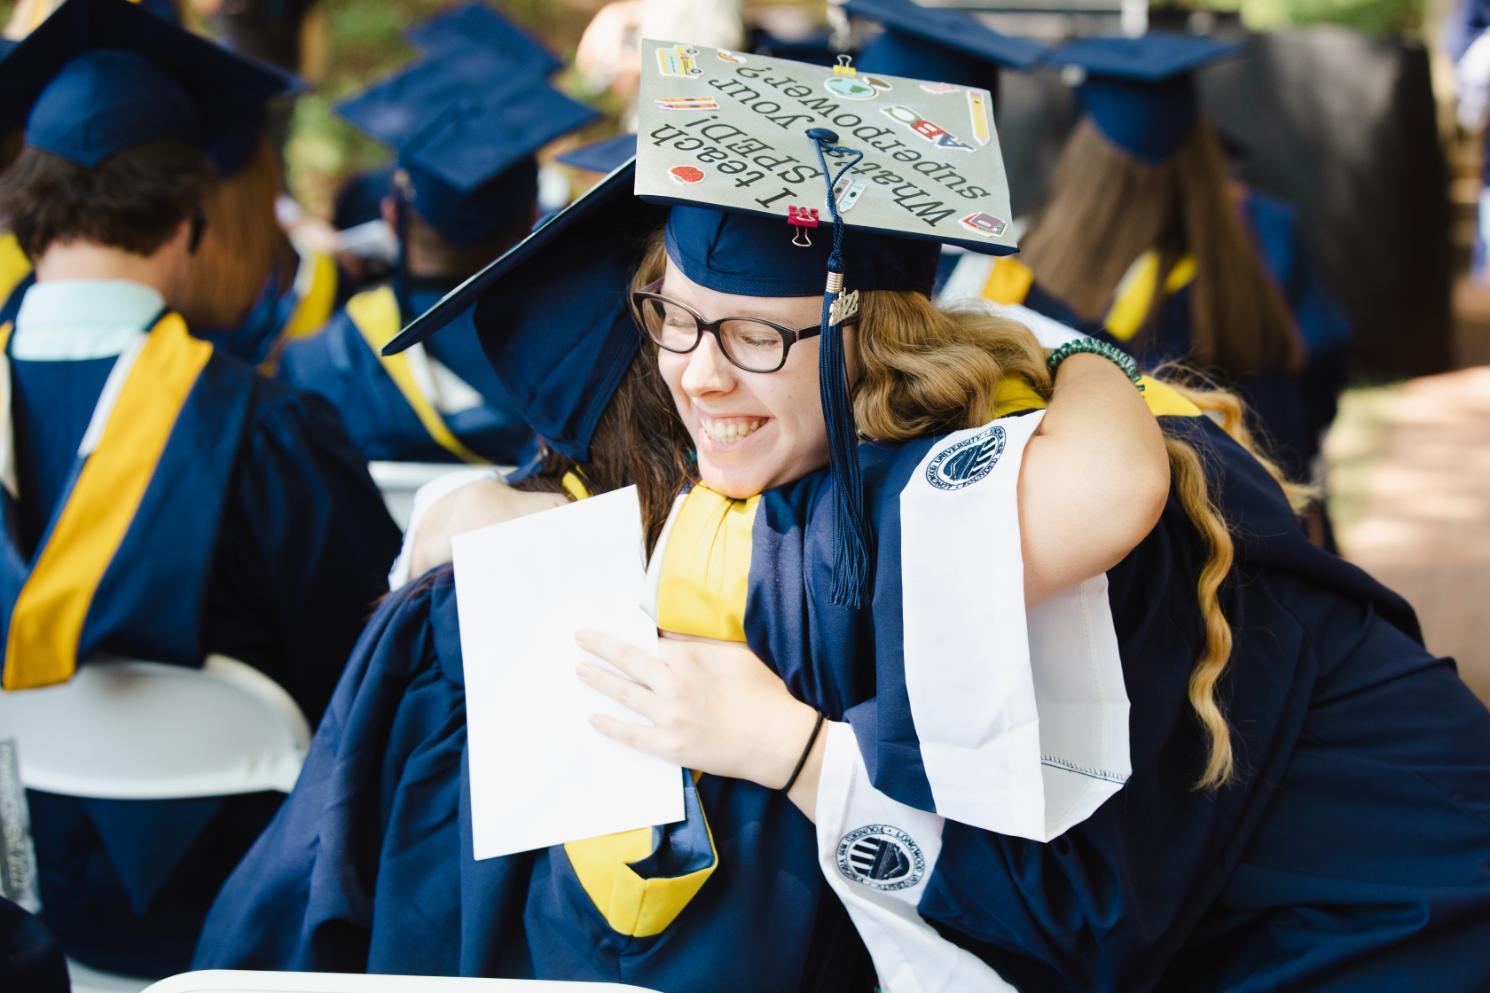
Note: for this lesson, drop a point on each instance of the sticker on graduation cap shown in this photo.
(931, 165)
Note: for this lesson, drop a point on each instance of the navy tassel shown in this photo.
(852, 535)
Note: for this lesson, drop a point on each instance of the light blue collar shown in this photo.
(71, 319)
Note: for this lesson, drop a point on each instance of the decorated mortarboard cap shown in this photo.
(552, 313)
(477, 25)
(790, 179)
(602, 156)
(1140, 92)
(950, 46)
(465, 128)
(100, 76)
(730, 140)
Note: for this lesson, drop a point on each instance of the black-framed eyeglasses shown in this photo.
(750, 343)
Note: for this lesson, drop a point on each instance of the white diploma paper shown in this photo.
(540, 774)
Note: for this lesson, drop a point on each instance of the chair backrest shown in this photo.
(226, 981)
(130, 730)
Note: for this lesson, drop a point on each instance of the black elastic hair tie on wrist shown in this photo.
(806, 751)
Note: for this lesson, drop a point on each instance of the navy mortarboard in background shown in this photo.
(1140, 92)
(553, 315)
(100, 76)
(477, 25)
(949, 46)
(814, 46)
(465, 127)
(601, 156)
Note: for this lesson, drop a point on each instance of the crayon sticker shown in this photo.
(977, 111)
(984, 224)
(680, 62)
(733, 58)
(686, 174)
(856, 87)
(934, 133)
(686, 103)
(938, 89)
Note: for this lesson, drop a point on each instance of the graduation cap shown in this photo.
(552, 312)
(1140, 92)
(951, 46)
(601, 156)
(790, 179)
(477, 25)
(465, 127)
(100, 76)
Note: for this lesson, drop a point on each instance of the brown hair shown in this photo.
(242, 245)
(1106, 208)
(133, 200)
(639, 440)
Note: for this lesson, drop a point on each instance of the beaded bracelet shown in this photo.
(1113, 354)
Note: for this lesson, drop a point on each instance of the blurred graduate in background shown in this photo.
(249, 288)
(163, 500)
(1145, 242)
(465, 123)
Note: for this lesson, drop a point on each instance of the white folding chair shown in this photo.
(129, 730)
(225, 981)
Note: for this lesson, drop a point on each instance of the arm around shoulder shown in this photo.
(1094, 480)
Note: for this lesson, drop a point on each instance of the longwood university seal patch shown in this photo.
(882, 857)
(967, 461)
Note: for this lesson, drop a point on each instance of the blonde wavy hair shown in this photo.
(925, 370)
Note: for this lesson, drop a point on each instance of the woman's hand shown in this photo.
(714, 707)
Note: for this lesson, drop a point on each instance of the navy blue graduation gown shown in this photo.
(1352, 850)
(342, 364)
(259, 536)
(368, 865)
(30, 959)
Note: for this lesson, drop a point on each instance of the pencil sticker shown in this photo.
(977, 110)
(686, 103)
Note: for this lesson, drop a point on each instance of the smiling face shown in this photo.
(752, 430)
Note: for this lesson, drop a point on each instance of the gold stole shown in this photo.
(1009, 282)
(46, 622)
(375, 315)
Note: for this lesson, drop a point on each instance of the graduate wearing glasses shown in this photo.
(730, 898)
(1287, 790)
